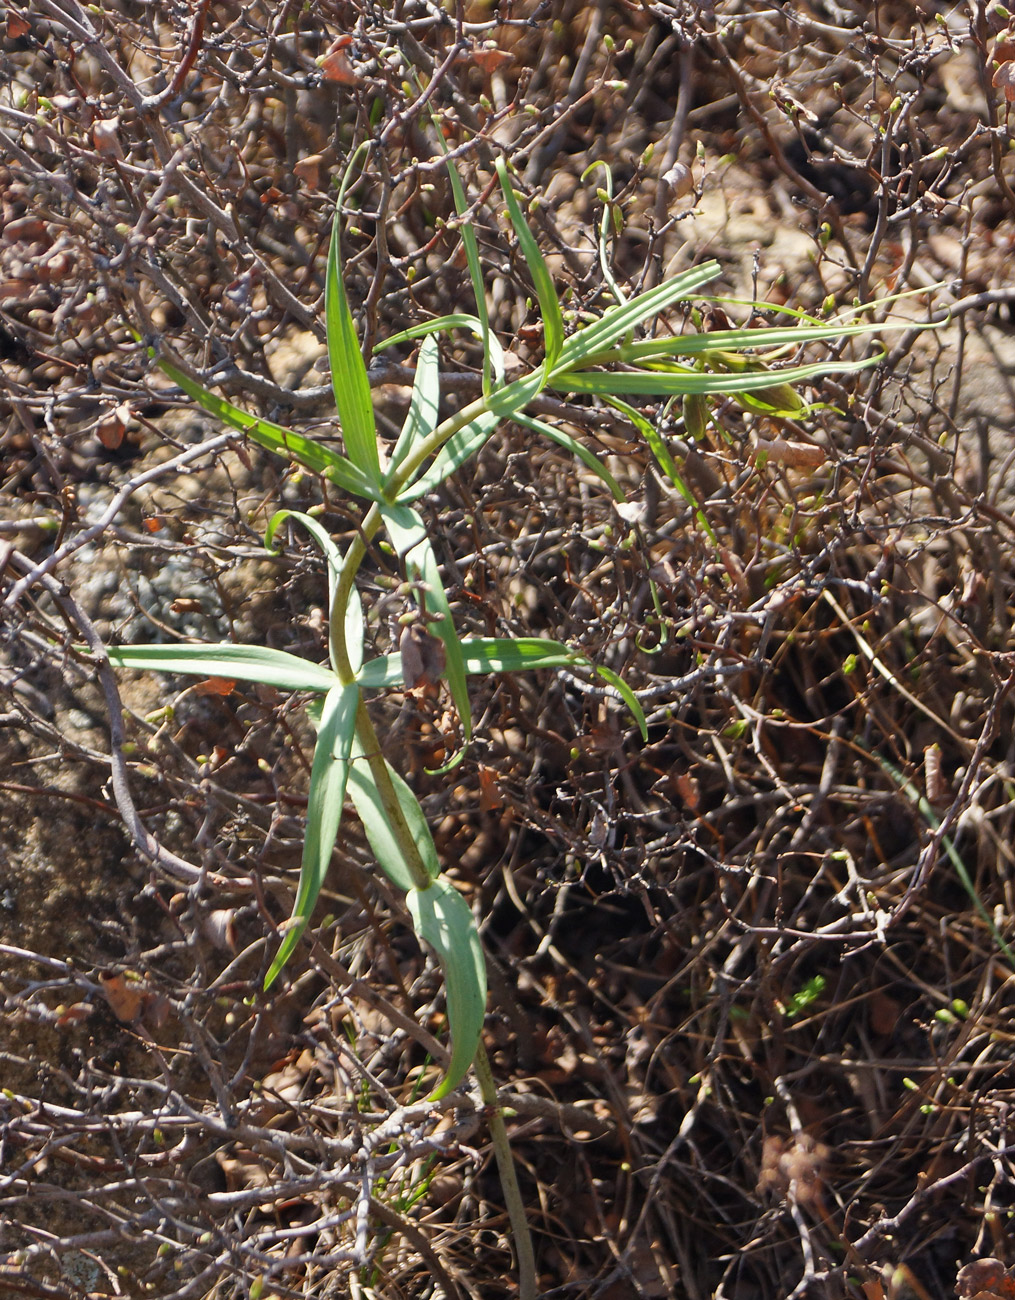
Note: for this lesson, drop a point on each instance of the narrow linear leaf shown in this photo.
(273, 437)
(459, 448)
(382, 672)
(481, 655)
(549, 304)
(517, 654)
(792, 336)
(422, 564)
(246, 663)
(424, 404)
(409, 537)
(439, 325)
(405, 528)
(328, 779)
(678, 380)
(621, 320)
(503, 403)
(320, 535)
(333, 557)
(366, 800)
(572, 445)
(442, 918)
(471, 246)
(657, 445)
(348, 370)
(628, 696)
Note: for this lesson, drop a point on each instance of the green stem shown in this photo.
(371, 747)
(365, 733)
(527, 1288)
(343, 589)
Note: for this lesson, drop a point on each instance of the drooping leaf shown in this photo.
(329, 775)
(572, 445)
(657, 445)
(627, 695)
(273, 437)
(246, 663)
(354, 606)
(443, 919)
(320, 535)
(445, 324)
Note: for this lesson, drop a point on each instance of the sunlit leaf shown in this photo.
(328, 778)
(246, 663)
(620, 320)
(275, 438)
(354, 607)
(782, 336)
(445, 324)
(627, 695)
(370, 808)
(459, 448)
(482, 655)
(443, 919)
(348, 370)
(423, 405)
(674, 380)
(320, 535)
(549, 303)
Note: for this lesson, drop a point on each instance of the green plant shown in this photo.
(347, 759)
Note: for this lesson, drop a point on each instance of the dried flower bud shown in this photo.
(106, 138)
(678, 180)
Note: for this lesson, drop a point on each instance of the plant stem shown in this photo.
(524, 1253)
(371, 747)
(365, 732)
(343, 589)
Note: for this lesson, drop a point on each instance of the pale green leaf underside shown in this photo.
(328, 777)
(423, 406)
(443, 919)
(377, 827)
(243, 663)
(354, 607)
(409, 538)
(676, 380)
